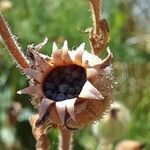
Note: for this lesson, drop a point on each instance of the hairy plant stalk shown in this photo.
(42, 142)
(65, 139)
(99, 34)
(95, 9)
(12, 45)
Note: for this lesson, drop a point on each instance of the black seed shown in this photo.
(69, 79)
(69, 96)
(76, 95)
(68, 70)
(63, 80)
(83, 76)
(79, 70)
(46, 85)
(54, 74)
(49, 85)
(48, 93)
(63, 88)
(54, 96)
(81, 84)
(76, 83)
(57, 81)
(71, 90)
(49, 79)
(62, 76)
(60, 70)
(78, 89)
(75, 75)
(60, 97)
(52, 86)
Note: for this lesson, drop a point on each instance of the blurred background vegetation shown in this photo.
(33, 20)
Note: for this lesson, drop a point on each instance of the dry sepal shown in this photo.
(70, 88)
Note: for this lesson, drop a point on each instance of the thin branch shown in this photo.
(65, 139)
(99, 34)
(42, 142)
(12, 45)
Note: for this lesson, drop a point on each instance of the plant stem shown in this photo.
(12, 45)
(95, 8)
(42, 142)
(65, 139)
(99, 34)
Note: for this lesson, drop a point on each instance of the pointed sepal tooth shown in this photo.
(65, 54)
(85, 59)
(65, 46)
(78, 56)
(90, 92)
(57, 55)
(54, 47)
(105, 62)
(81, 47)
(37, 89)
(34, 74)
(41, 62)
(39, 46)
(61, 109)
(70, 104)
(66, 57)
(44, 111)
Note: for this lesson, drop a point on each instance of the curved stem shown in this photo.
(65, 139)
(12, 45)
(99, 34)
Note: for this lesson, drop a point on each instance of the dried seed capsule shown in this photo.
(63, 88)
(96, 94)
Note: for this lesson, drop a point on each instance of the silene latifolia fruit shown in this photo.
(72, 88)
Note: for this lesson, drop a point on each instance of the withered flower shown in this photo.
(71, 88)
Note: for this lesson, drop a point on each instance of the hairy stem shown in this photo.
(65, 139)
(95, 9)
(12, 45)
(42, 142)
(99, 34)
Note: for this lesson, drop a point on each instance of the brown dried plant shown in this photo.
(71, 89)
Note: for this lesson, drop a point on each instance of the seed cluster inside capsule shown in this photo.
(64, 82)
